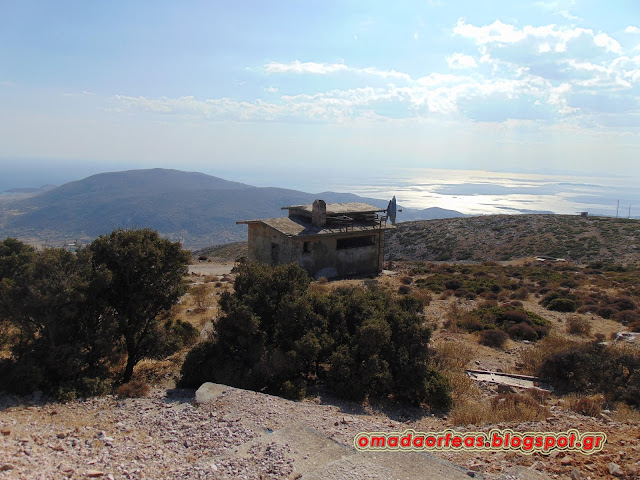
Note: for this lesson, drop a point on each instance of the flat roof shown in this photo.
(294, 227)
(340, 208)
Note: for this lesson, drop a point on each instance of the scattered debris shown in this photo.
(510, 380)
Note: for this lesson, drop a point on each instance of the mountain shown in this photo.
(198, 209)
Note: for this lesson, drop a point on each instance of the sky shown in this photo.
(277, 93)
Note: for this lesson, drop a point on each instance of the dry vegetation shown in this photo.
(511, 316)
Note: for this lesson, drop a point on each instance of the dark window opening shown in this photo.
(355, 242)
(306, 247)
(275, 254)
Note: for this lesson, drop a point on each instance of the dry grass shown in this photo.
(585, 405)
(134, 389)
(469, 412)
(423, 295)
(451, 359)
(508, 407)
(577, 325)
(623, 413)
(516, 407)
(156, 371)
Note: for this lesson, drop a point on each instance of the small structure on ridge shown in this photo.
(326, 239)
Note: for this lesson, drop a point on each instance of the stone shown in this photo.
(615, 470)
(209, 391)
(604, 417)
(6, 467)
(6, 432)
(95, 474)
(576, 475)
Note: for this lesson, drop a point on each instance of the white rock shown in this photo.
(209, 391)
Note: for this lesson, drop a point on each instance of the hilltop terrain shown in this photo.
(195, 208)
(506, 237)
(499, 238)
(242, 434)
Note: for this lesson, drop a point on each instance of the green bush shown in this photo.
(561, 301)
(276, 335)
(562, 305)
(75, 318)
(595, 368)
(519, 323)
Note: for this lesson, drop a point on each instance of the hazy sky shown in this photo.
(266, 88)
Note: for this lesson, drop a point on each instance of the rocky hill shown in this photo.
(507, 237)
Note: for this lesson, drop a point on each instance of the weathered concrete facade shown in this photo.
(327, 240)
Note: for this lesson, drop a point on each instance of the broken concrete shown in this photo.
(510, 380)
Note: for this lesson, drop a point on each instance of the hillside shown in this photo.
(507, 237)
(198, 209)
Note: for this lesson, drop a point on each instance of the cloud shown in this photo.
(556, 75)
(313, 68)
(306, 67)
(460, 60)
(632, 29)
(568, 15)
(537, 40)
(214, 109)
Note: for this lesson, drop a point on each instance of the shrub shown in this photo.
(406, 280)
(626, 317)
(404, 289)
(561, 301)
(577, 325)
(587, 309)
(590, 406)
(277, 335)
(595, 368)
(168, 338)
(519, 323)
(452, 284)
(577, 368)
(605, 312)
(201, 297)
(134, 389)
(493, 338)
(562, 305)
(515, 316)
(523, 331)
(65, 342)
(624, 303)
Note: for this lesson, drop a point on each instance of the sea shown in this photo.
(479, 192)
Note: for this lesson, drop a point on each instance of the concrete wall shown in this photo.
(261, 240)
(323, 259)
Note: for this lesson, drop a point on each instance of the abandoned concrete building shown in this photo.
(327, 240)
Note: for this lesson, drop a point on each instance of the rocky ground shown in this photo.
(241, 434)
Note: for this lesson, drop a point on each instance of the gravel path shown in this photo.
(248, 435)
